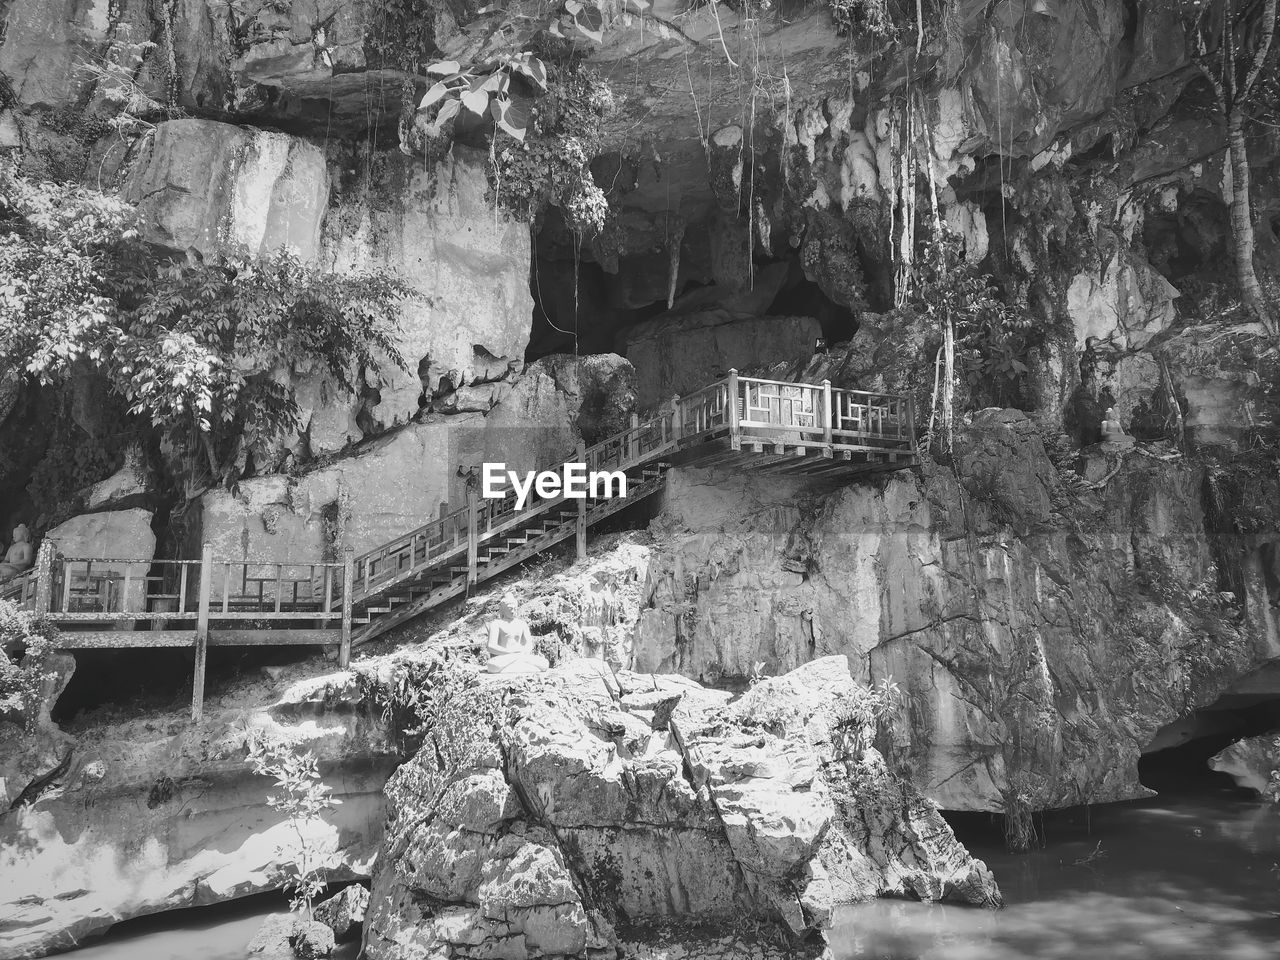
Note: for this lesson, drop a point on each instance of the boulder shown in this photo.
(274, 938)
(1252, 763)
(127, 483)
(343, 913)
(117, 535)
(312, 939)
(540, 807)
(217, 187)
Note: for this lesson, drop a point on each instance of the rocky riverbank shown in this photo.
(126, 814)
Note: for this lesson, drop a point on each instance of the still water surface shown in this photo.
(1185, 876)
(1189, 875)
(205, 933)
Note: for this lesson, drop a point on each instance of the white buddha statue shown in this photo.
(1112, 431)
(18, 558)
(510, 642)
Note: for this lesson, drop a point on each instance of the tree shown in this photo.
(25, 642)
(299, 794)
(202, 352)
(1234, 49)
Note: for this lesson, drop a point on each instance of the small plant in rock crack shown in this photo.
(299, 794)
(864, 714)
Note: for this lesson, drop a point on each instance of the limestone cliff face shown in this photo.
(1043, 631)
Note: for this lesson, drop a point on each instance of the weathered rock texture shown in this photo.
(1252, 762)
(134, 816)
(542, 812)
(1043, 631)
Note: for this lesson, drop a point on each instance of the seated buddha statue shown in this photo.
(1112, 431)
(19, 557)
(510, 643)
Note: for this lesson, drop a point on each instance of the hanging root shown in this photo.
(1019, 823)
(673, 262)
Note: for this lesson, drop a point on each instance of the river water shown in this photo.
(1189, 875)
(206, 933)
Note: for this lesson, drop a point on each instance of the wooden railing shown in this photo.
(267, 600)
(20, 590)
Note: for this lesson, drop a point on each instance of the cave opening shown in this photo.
(157, 679)
(773, 313)
(1177, 759)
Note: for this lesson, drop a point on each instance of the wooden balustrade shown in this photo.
(20, 590)
(229, 601)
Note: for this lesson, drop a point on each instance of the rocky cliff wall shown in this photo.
(1044, 629)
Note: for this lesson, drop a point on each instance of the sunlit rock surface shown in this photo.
(153, 813)
(542, 812)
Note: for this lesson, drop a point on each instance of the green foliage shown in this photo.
(549, 168)
(413, 695)
(501, 89)
(991, 338)
(866, 714)
(25, 642)
(116, 81)
(200, 352)
(403, 32)
(299, 794)
(874, 19)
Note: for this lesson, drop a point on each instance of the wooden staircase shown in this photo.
(410, 586)
(796, 429)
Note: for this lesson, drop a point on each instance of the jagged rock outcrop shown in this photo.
(1043, 631)
(137, 815)
(1252, 763)
(544, 812)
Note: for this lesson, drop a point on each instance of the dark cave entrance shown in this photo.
(585, 306)
(159, 679)
(1177, 760)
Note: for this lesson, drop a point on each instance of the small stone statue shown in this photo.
(510, 642)
(1112, 431)
(18, 558)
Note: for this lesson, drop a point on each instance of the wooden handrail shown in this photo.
(735, 404)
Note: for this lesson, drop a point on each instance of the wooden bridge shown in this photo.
(800, 428)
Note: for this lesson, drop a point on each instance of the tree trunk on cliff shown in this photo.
(1233, 46)
(1251, 294)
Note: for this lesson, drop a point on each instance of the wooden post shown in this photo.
(348, 587)
(911, 424)
(473, 540)
(677, 417)
(202, 632)
(827, 417)
(735, 431)
(44, 577)
(633, 442)
(582, 509)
